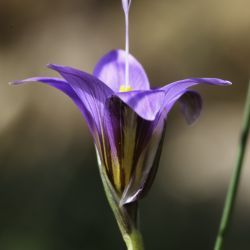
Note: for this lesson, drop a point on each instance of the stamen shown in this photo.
(125, 88)
(126, 6)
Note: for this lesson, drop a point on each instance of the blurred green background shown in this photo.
(51, 196)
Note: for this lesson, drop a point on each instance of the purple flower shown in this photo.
(127, 122)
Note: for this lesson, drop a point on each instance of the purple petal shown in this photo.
(90, 90)
(58, 83)
(147, 104)
(133, 145)
(111, 70)
(174, 89)
(191, 106)
(62, 85)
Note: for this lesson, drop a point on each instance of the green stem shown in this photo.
(234, 183)
(134, 240)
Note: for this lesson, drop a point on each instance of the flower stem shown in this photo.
(126, 216)
(134, 240)
(234, 183)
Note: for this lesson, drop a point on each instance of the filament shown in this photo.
(127, 51)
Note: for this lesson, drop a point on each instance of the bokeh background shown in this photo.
(51, 196)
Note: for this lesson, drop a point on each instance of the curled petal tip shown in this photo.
(54, 66)
(222, 82)
(50, 66)
(213, 81)
(17, 82)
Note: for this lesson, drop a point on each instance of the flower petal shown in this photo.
(191, 106)
(132, 142)
(111, 70)
(147, 104)
(58, 83)
(147, 163)
(90, 90)
(62, 85)
(174, 89)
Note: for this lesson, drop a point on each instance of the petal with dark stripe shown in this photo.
(134, 144)
(147, 162)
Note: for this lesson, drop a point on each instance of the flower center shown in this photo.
(125, 88)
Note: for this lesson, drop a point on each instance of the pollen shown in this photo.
(124, 88)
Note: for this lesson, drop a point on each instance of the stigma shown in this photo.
(125, 88)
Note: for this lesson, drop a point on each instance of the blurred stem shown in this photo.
(234, 183)
(134, 240)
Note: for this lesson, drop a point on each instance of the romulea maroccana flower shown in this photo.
(127, 122)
